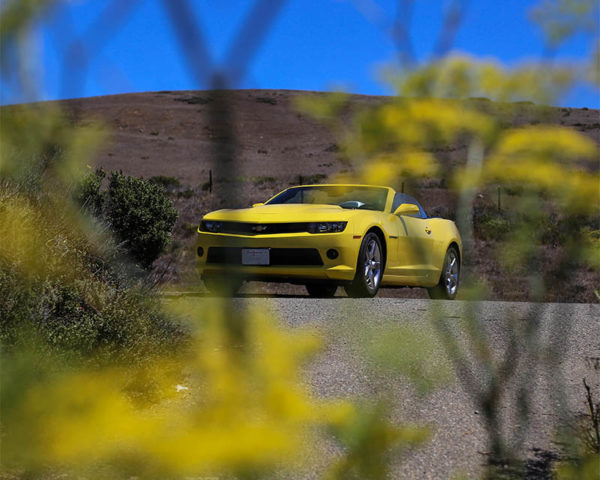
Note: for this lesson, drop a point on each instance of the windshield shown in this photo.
(353, 197)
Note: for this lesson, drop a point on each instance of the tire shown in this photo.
(369, 269)
(321, 290)
(221, 285)
(447, 287)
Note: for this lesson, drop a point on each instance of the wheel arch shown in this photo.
(455, 244)
(379, 232)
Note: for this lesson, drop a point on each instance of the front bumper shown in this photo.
(306, 254)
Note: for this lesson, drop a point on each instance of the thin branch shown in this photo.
(401, 34)
(98, 34)
(250, 36)
(374, 14)
(191, 40)
(450, 27)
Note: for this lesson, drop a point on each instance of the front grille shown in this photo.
(241, 228)
(278, 256)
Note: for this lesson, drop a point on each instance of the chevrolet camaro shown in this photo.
(360, 237)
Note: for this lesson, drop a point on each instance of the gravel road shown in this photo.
(563, 348)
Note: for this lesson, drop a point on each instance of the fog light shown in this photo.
(332, 254)
(200, 251)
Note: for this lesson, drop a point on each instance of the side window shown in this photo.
(397, 202)
(401, 198)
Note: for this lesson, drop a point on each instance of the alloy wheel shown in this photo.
(451, 273)
(372, 265)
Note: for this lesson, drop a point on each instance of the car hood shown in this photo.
(286, 213)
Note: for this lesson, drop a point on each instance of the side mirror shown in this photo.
(257, 205)
(407, 209)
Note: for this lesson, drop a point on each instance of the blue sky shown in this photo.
(313, 45)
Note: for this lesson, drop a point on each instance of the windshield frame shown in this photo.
(386, 203)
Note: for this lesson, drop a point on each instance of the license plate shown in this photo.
(255, 256)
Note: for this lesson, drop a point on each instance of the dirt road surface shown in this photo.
(567, 341)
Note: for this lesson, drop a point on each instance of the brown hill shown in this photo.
(173, 134)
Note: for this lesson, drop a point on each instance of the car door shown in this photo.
(414, 245)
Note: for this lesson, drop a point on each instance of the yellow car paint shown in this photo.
(415, 248)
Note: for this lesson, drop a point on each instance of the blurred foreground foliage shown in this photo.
(103, 379)
(210, 408)
(552, 174)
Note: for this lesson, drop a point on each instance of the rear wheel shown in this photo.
(447, 287)
(321, 290)
(369, 268)
(221, 285)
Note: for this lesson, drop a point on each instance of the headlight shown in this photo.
(211, 226)
(326, 227)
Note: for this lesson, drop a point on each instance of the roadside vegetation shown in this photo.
(68, 281)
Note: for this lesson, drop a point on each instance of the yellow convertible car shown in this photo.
(361, 237)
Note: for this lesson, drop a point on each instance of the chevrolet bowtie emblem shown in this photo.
(259, 228)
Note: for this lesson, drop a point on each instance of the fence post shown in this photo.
(499, 200)
(210, 181)
(300, 180)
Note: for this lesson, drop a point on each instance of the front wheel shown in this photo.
(447, 287)
(369, 269)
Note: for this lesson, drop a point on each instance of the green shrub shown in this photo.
(138, 211)
(141, 216)
(270, 101)
(549, 228)
(168, 183)
(188, 229)
(258, 181)
(490, 225)
(312, 179)
(187, 193)
(88, 192)
(558, 230)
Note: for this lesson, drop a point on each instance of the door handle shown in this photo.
(428, 230)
